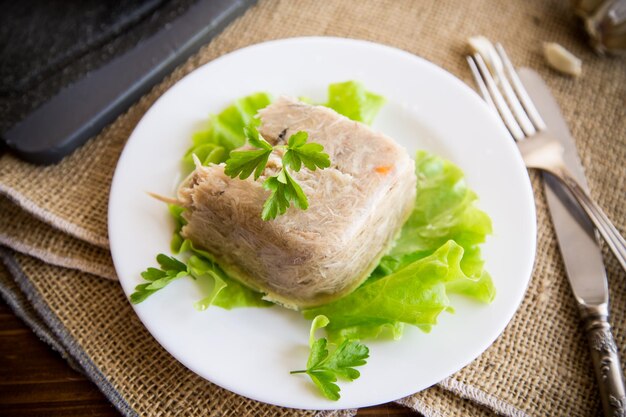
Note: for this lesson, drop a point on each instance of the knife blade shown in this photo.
(582, 257)
(575, 232)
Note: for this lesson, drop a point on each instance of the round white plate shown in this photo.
(250, 351)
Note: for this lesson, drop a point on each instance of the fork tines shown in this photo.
(502, 89)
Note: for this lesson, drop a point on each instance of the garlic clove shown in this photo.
(561, 59)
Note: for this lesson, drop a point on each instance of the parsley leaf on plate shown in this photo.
(310, 154)
(221, 290)
(255, 139)
(170, 269)
(324, 366)
(277, 203)
(242, 163)
(351, 99)
(284, 188)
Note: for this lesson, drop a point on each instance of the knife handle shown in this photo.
(605, 357)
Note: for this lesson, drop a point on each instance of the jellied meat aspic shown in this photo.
(307, 257)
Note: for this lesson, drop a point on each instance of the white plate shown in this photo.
(251, 351)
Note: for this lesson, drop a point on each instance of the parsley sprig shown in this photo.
(325, 367)
(170, 269)
(285, 190)
(242, 163)
(220, 290)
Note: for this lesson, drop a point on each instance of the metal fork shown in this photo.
(539, 150)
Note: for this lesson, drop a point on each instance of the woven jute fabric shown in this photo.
(26, 234)
(439, 402)
(540, 364)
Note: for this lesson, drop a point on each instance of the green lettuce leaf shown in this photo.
(415, 294)
(225, 131)
(176, 212)
(236, 295)
(444, 210)
(222, 290)
(225, 292)
(351, 99)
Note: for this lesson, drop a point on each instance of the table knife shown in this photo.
(581, 253)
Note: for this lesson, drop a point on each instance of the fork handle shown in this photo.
(607, 230)
(605, 357)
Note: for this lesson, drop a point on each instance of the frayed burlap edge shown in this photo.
(53, 259)
(26, 234)
(481, 397)
(52, 219)
(439, 402)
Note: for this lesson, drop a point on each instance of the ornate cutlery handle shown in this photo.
(605, 357)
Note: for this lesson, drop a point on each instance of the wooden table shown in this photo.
(36, 381)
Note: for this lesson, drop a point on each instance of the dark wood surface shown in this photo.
(36, 381)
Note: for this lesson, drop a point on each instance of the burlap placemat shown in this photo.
(26, 234)
(539, 366)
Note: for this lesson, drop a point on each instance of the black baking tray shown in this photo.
(70, 68)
